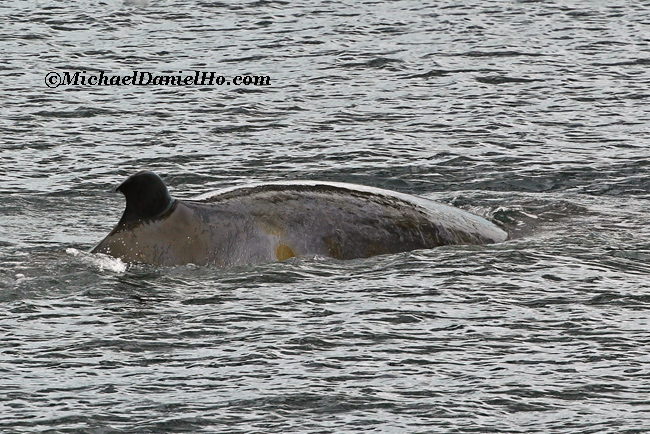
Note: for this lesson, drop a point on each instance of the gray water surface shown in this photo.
(533, 114)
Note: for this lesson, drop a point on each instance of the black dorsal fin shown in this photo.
(147, 197)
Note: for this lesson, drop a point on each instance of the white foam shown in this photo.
(99, 260)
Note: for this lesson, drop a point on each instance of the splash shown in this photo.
(99, 260)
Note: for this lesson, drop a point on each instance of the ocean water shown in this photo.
(534, 114)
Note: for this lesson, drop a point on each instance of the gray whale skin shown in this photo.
(277, 221)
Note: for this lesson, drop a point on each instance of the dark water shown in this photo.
(532, 113)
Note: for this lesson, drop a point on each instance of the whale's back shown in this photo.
(347, 221)
(277, 221)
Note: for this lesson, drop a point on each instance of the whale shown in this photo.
(276, 221)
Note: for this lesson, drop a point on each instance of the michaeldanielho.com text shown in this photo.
(144, 78)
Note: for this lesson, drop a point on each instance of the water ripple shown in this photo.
(533, 114)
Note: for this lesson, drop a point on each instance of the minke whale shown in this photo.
(278, 221)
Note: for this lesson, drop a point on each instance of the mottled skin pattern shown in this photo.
(277, 221)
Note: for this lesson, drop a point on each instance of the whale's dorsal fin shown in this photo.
(147, 197)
